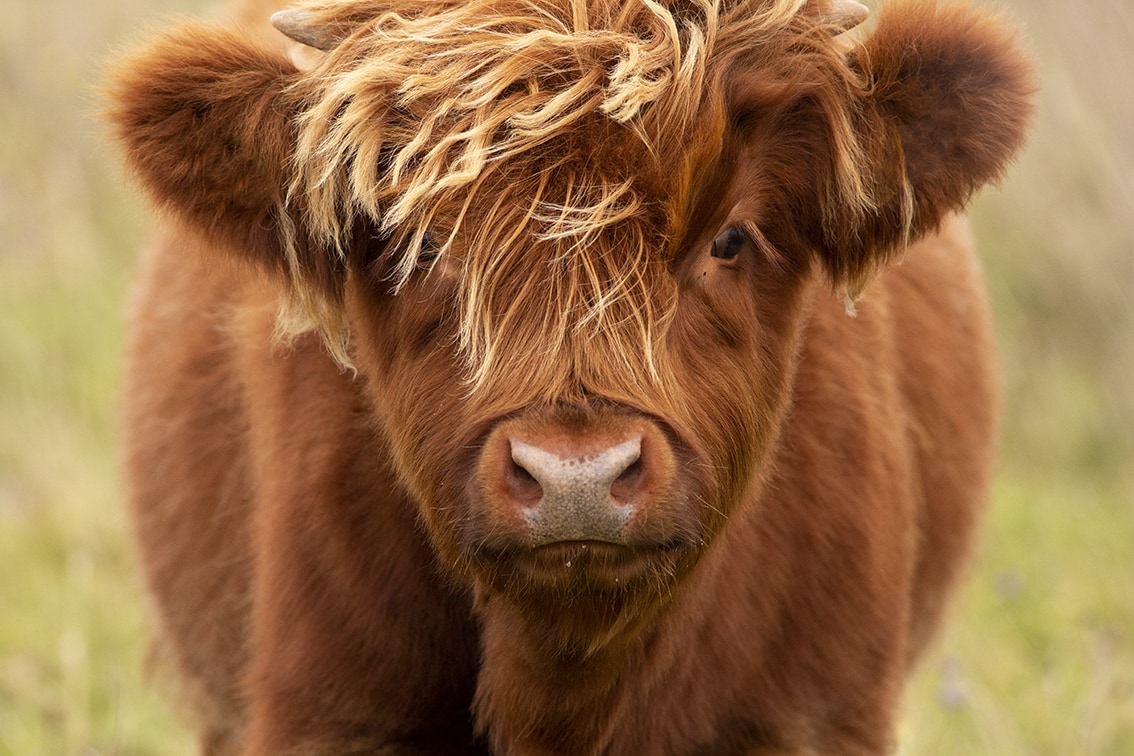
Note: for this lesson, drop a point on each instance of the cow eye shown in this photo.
(728, 245)
(428, 252)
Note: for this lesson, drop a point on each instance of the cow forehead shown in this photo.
(569, 131)
(579, 269)
(619, 195)
(424, 105)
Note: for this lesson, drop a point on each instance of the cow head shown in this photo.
(568, 246)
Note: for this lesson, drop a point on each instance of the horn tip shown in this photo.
(846, 14)
(298, 25)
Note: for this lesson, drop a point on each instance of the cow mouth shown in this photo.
(586, 565)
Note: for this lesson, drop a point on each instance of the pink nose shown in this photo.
(584, 497)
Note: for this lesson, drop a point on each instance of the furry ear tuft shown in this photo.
(946, 107)
(959, 89)
(204, 120)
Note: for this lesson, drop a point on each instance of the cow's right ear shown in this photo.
(205, 119)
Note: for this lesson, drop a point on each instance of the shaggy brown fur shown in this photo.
(468, 229)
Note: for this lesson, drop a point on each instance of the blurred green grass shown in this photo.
(1039, 658)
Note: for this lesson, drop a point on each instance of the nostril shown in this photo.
(632, 474)
(523, 486)
(626, 487)
(521, 474)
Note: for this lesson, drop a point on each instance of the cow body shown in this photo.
(729, 530)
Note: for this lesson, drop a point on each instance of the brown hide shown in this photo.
(524, 412)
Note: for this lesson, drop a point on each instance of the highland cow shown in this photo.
(534, 377)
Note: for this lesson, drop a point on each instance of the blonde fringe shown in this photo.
(430, 112)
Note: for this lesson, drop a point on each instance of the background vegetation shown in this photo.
(1040, 656)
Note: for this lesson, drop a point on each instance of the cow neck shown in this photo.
(542, 687)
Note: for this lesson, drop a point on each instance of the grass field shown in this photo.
(1040, 656)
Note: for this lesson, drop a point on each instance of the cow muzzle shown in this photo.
(585, 497)
(569, 477)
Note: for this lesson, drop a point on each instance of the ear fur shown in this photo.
(204, 118)
(946, 108)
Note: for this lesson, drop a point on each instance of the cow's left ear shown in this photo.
(945, 108)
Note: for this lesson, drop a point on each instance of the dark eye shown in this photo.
(427, 254)
(728, 245)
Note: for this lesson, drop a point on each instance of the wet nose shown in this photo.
(577, 497)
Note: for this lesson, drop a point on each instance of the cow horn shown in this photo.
(845, 15)
(298, 25)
